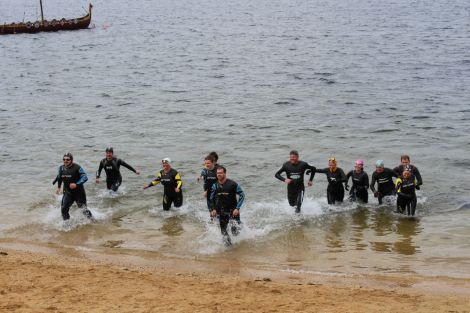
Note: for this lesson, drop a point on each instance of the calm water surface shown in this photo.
(251, 80)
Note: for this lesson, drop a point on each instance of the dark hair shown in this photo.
(209, 158)
(214, 155)
(222, 168)
(110, 149)
(405, 157)
(68, 155)
(294, 152)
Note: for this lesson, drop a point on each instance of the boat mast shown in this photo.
(42, 13)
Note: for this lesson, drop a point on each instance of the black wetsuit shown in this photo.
(360, 184)
(68, 175)
(335, 189)
(406, 195)
(224, 201)
(385, 186)
(414, 171)
(210, 178)
(170, 181)
(415, 175)
(296, 189)
(113, 175)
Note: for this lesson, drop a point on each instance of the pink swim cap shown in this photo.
(360, 162)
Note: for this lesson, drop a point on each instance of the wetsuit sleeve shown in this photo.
(212, 196)
(241, 197)
(179, 183)
(83, 177)
(278, 173)
(204, 177)
(342, 177)
(312, 171)
(397, 170)
(58, 178)
(372, 183)
(418, 176)
(156, 180)
(130, 168)
(366, 181)
(398, 184)
(394, 174)
(100, 168)
(321, 170)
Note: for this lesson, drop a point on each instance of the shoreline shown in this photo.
(49, 278)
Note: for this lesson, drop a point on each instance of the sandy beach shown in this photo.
(50, 279)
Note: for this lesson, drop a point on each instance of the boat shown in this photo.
(46, 25)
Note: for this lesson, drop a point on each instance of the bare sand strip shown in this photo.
(40, 281)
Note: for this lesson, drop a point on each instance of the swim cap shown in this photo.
(407, 169)
(166, 160)
(332, 160)
(379, 163)
(360, 162)
(110, 149)
(68, 155)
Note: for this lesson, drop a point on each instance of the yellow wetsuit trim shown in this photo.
(157, 180)
(178, 179)
(398, 182)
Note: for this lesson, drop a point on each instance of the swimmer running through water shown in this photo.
(171, 181)
(406, 191)
(72, 176)
(295, 171)
(336, 178)
(225, 204)
(384, 178)
(209, 175)
(360, 182)
(111, 166)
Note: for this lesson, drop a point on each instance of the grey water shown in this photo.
(250, 80)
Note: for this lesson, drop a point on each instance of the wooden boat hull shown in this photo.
(47, 26)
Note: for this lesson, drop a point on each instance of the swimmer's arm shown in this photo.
(241, 197)
(130, 168)
(278, 173)
(418, 176)
(342, 177)
(155, 181)
(58, 178)
(179, 183)
(366, 181)
(83, 177)
(100, 168)
(372, 183)
(312, 170)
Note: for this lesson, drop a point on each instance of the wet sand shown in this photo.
(35, 278)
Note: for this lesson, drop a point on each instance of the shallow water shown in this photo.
(351, 79)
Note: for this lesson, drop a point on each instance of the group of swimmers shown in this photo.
(408, 180)
(225, 196)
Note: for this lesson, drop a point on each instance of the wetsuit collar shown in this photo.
(225, 180)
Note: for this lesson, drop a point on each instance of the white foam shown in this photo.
(53, 217)
(259, 219)
(109, 194)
